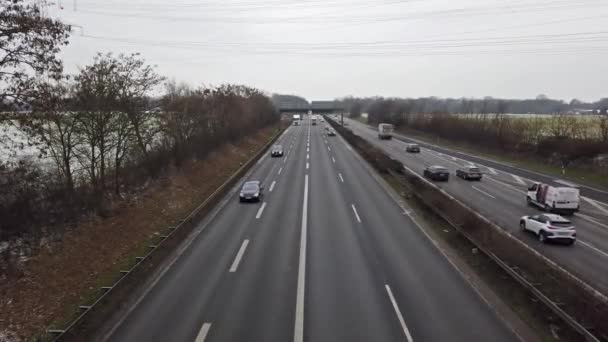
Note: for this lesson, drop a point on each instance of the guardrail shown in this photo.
(113, 298)
(578, 304)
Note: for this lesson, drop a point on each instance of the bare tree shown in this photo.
(29, 43)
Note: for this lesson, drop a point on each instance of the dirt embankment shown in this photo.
(63, 275)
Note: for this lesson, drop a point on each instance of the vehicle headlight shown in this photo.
(241, 194)
(256, 194)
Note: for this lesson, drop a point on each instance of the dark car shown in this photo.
(469, 173)
(437, 173)
(331, 133)
(412, 148)
(251, 192)
(276, 151)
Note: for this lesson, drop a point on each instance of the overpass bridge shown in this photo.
(316, 107)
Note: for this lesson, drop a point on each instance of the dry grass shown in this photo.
(66, 274)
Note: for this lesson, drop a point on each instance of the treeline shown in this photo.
(487, 105)
(560, 139)
(101, 135)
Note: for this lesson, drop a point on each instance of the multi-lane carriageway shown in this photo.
(501, 197)
(327, 255)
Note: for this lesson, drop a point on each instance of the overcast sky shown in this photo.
(322, 49)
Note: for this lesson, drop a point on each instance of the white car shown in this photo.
(549, 227)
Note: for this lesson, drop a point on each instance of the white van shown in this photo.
(554, 199)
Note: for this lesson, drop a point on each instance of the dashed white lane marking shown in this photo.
(307, 156)
(518, 179)
(307, 166)
(595, 204)
(483, 192)
(202, 334)
(356, 213)
(328, 148)
(593, 248)
(272, 186)
(260, 211)
(333, 159)
(298, 334)
(308, 149)
(239, 256)
(340, 175)
(406, 331)
(280, 170)
(492, 171)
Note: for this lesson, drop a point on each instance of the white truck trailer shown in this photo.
(385, 131)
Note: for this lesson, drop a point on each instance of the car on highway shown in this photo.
(277, 151)
(469, 173)
(549, 227)
(251, 191)
(436, 173)
(412, 148)
(331, 133)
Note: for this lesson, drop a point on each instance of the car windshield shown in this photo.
(250, 187)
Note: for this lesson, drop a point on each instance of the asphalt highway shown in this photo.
(501, 197)
(327, 255)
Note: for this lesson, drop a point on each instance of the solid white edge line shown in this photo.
(272, 186)
(298, 334)
(340, 175)
(260, 211)
(202, 334)
(492, 171)
(356, 213)
(280, 170)
(239, 256)
(483, 192)
(406, 331)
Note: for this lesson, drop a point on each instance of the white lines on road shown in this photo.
(307, 149)
(593, 248)
(298, 334)
(340, 175)
(356, 213)
(259, 160)
(406, 331)
(272, 186)
(492, 171)
(307, 165)
(202, 334)
(454, 158)
(307, 156)
(328, 148)
(483, 192)
(591, 219)
(595, 204)
(518, 179)
(333, 159)
(239, 256)
(280, 170)
(285, 159)
(260, 211)
(566, 183)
